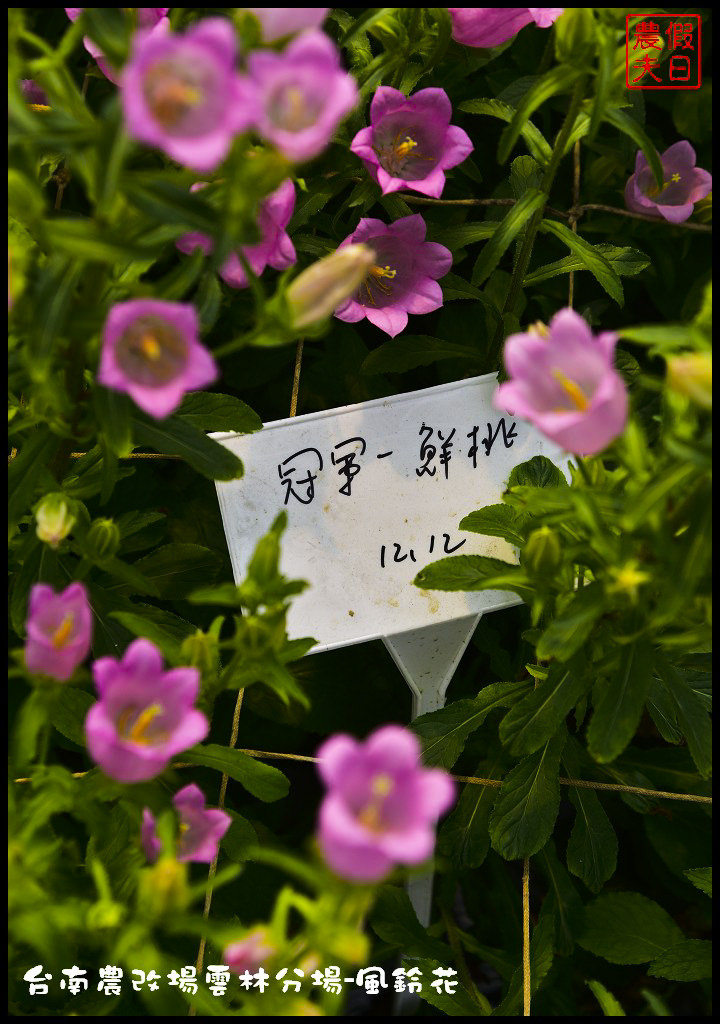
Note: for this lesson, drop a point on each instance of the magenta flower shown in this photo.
(146, 17)
(249, 953)
(490, 26)
(182, 94)
(59, 630)
(151, 350)
(303, 94)
(275, 248)
(564, 382)
(278, 22)
(410, 141)
(33, 94)
(404, 277)
(200, 830)
(145, 716)
(684, 185)
(382, 804)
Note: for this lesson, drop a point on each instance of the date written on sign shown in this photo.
(373, 493)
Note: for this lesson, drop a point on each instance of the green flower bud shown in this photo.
(542, 554)
(317, 292)
(200, 651)
(105, 914)
(163, 888)
(690, 374)
(575, 36)
(102, 540)
(54, 518)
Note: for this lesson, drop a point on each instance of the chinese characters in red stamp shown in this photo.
(663, 51)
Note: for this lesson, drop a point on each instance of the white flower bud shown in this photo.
(54, 519)
(319, 290)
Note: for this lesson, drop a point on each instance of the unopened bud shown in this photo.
(54, 519)
(163, 888)
(576, 34)
(317, 292)
(542, 554)
(691, 375)
(199, 650)
(103, 540)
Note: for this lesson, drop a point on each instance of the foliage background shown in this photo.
(67, 275)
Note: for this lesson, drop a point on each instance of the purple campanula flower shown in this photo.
(151, 350)
(684, 184)
(200, 829)
(145, 716)
(146, 17)
(381, 806)
(182, 94)
(278, 22)
(490, 26)
(410, 141)
(59, 630)
(274, 249)
(562, 379)
(404, 277)
(34, 95)
(303, 94)
(249, 953)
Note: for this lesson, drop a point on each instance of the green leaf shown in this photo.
(570, 629)
(114, 412)
(618, 701)
(133, 522)
(443, 732)
(536, 472)
(525, 174)
(627, 928)
(690, 960)
(406, 353)
(464, 234)
(459, 1004)
(473, 572)
(262, 780)
(512, 223)
(363, 22)
(167, 203)
(701, 878)
(27, 471)
(607, 50)
(593, 846)
(239, 839)
(494, 521)
(134, 581)
(593, 260)
(624, 260)
(393, 919)
(69, 712)
(524, 814)
(541, 958)
(464, 836)
(534, 719)
(165, 630)
(608, 1003)
(559, 79)
(690, 714)
(83, 239)
(177, 569)
(536, 142)
(562, 900)
(174, 436)
(208, 411)
(628, 126)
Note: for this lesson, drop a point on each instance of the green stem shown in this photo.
(584, 470)
(526, 248)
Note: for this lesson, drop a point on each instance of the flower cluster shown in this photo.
(149, 18)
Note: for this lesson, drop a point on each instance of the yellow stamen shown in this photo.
(574, 392)
(403, 148)
(137, 731)
(63, 631)
(540, 328)
(675, 177)
(382, 785)
(150, 347)
(184, 827)
(172, 99)
(386, 271)
(39, 106)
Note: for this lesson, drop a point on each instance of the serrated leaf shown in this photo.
(464, 836)
(618, 700)
(524, 814)
(624, 260)
(593, 846)
(262, 780)
(174, 436)
(473, 572)
(534, 719)
(593, 260)
(569, 630)
(443, 733)
(457, 1004)
(506, 230)
(690, 960)
(628, 928)
(701, 878)
(538, 471)
(494, 521)
(406, 353)
(536, 142)
(209, 411)
(608, 1003)
(690, 714)
(178, 569)
(69, 712)
(393, 919)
